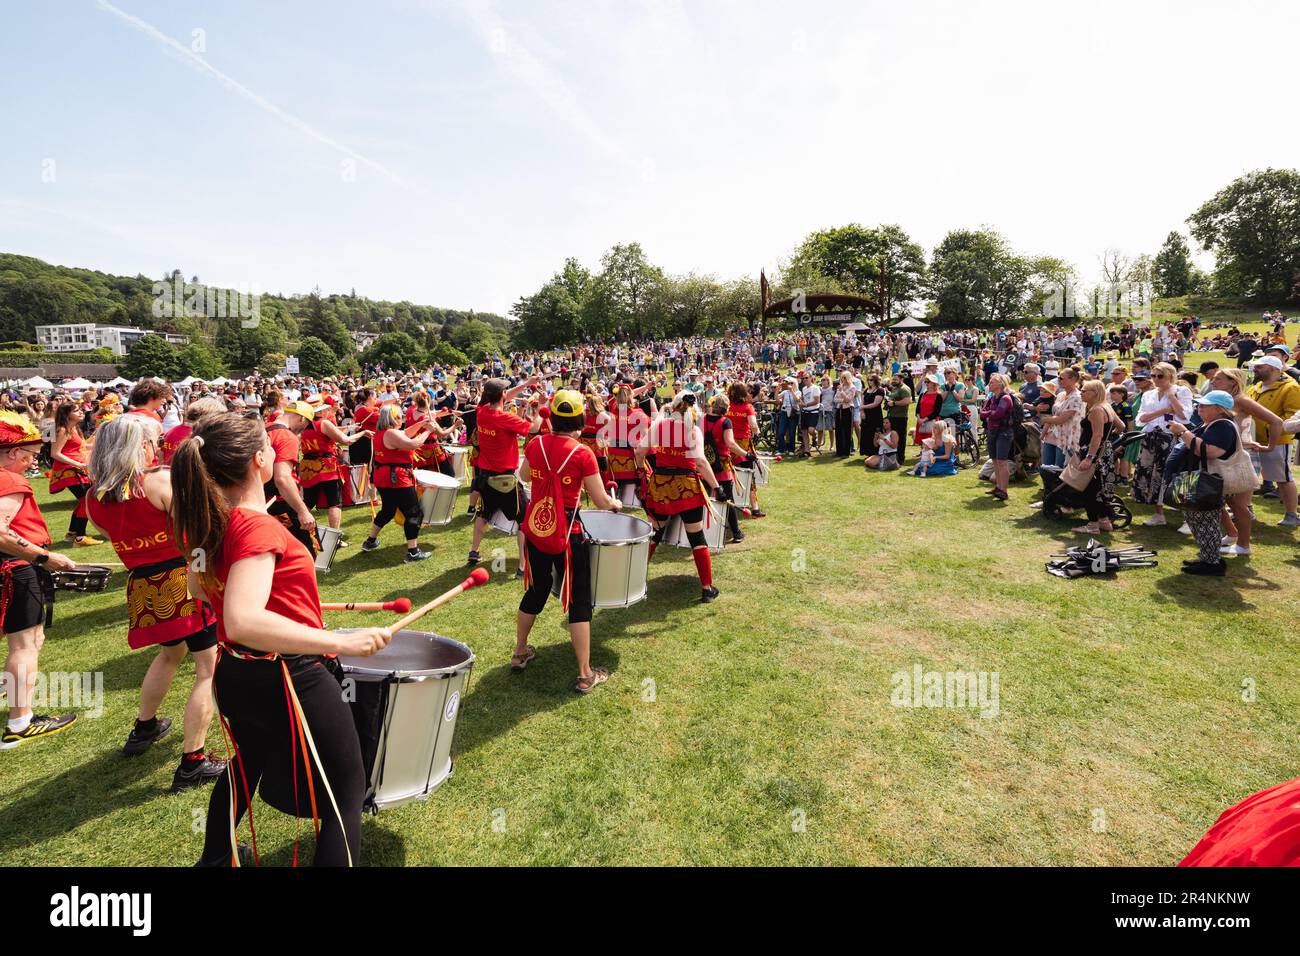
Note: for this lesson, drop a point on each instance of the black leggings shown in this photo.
(406, 500)
(546, 568)
(77, 524)
(251, 697)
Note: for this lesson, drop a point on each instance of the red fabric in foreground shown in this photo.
(1262, 830)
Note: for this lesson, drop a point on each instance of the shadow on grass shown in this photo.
(91, 790)
(379, 845)
(502, 698)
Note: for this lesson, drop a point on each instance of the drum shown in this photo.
(498, 520)
(620, 558)
(715, 531)
(459, 457)
(763, 470)
(358, 489)
(628, 496)
(744, 484)
(84, 577)
(405, 700)
(437, 496)
(329, 539)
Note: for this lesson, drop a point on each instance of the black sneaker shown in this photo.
(140, 740)
(737, 537)
(1210, 570)
(41, 726)
(474, 559)
(370, 544)
(417, 555)
(708, 594)
(195, 773)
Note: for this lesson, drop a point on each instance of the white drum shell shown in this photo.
(329, 544)
(419, 725)
(358, 479)
(620, 559)
(459, 461)
(715, 531)
(744, 484)
(437, 497)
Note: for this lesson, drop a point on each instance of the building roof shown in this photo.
(56, 372)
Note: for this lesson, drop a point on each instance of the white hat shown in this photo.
(1032, 367)
(1272, 361)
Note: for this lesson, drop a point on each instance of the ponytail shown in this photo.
(216, 457)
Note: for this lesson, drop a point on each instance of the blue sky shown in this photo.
(487, 141)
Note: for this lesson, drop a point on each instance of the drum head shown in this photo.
(425, 478)
(609, 528)
(436, 479)
(411, 654)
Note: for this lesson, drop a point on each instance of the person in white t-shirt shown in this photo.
(810, 401)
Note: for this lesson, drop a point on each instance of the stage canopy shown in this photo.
(910, 325)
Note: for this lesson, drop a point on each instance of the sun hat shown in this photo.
(1216, 397)
(1280, 347)
(1272, 361)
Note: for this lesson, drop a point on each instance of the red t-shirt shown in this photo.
(556, 450)
(400, 477)
(146, 412)
(498, 439)
(285, 445)
(141, 534)
(172, 440)
(293, 584)
(28, 522)
(365, 417)
(739, 415)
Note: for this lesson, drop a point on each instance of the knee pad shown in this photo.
(696, 538)
(658, 536)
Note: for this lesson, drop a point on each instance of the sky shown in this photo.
(455, 152)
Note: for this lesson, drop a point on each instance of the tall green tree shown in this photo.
(627, 284)
(1253, 228)
(394, 350)
(151, 355)
(860, 260)
(1172, 269)
(976, 279)
(316, 358)
(199, 359)
(321, 322)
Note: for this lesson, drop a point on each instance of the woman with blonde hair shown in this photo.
(1238, 519)
(1166, 404)
(1096, 454)
(1061, 427)
(997, 413)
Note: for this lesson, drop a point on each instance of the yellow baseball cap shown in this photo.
(567, 403)
(305, 409)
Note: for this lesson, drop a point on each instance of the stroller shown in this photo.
(1059, 496)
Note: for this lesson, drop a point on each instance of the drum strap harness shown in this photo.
(300, 740)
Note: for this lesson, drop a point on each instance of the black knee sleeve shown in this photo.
(412, 527)
(696, 538)
(658, 536)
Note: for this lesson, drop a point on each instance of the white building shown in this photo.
(87, 336)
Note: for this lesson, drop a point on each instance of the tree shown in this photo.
(975, 278)
(271, 363)
(476, 339)
(1253, 228)
(851, 259)
(322, 323)
(394, 350)
(1172, 269)
(199, 359)
(444, 353)
(151, 355)
(317, 359)
(627, 288)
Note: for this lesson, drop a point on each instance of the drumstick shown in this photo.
(401, 606)
(479, 576)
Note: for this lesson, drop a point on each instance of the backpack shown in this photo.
(1018, 434)
(542, 517)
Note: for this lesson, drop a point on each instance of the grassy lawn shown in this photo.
(759, 729)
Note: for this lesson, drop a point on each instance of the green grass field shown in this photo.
(759, 729)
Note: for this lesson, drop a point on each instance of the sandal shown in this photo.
(520, 661)
(1087, 529)
(586, 685)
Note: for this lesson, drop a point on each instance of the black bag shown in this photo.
(1196, 490)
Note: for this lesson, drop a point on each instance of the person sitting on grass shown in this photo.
(944, 452)
(885, 441)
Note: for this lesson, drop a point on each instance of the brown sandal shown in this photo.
(520, 661)
(586, 685)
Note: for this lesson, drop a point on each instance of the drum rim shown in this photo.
(649, 533)
(375, 675)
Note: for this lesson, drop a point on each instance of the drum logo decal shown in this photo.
(453, 702)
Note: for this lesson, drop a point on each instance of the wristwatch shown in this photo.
(41, 558)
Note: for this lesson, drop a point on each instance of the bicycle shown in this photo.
(968, 443)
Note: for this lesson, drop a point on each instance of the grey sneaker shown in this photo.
(1290, 521)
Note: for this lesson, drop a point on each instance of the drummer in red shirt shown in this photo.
(26, 591)
(147, 397)
(394, 471)
(129, 500)
(744, 425)
(318, 469)
(561, 454)
(273, 685)
(207, 405)
(495, 480)
(289, 506)
(626, 428)
(677, 480)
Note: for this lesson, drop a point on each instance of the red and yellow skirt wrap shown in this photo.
(160, 607)
(622, 464)
(61, 477)
(674, 491)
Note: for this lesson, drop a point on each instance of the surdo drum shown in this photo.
(437, 496)
(358, 490)
(715, 531)
(619, 550)
(743, 486)
(329, 539)
(459, 456)
(498, 520)
(405, 701)
(628, 496)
